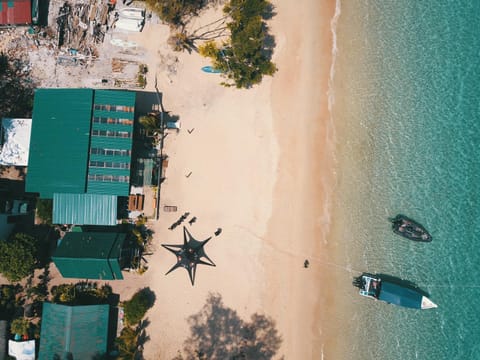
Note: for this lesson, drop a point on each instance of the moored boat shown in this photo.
(410, 229)
(374, 287)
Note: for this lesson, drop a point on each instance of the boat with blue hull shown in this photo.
(374, 287)
(211, 70)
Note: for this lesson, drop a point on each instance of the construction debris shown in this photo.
(81, 26)
(79, 45)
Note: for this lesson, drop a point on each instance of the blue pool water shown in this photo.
(407, 110)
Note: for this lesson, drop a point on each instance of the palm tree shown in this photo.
(150, 122)
(127, 343)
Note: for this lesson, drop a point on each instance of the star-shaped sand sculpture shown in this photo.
(189, 255)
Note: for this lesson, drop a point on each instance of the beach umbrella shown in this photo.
(189, 255)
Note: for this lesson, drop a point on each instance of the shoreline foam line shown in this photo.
(333, 29)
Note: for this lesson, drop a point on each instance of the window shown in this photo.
(110, 152)
(109, 165)
(110, 133)
(105, 120)
(115, 108)
(109, 178)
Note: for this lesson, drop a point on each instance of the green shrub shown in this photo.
(18, 257)
(137, 306)
(20, 326)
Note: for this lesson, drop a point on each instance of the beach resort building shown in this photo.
(91, 255)
(73, 332)
(81, 142)
(80, 157)
(81, 152)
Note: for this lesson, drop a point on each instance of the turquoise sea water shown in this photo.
(407, 110)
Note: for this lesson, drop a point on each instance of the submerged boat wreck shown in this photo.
(374, 287)
(410, 229)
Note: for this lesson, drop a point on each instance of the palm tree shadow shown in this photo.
(218, 333)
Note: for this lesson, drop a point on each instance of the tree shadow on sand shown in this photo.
(218, 333)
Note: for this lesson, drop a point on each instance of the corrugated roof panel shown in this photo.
(15, 12)
(110, 158)
(100, 178)
(84, 209)
(59, 141)
(113, 127)
(81, 331)
(111, 143)
(115, 97)
(114, 172)
(108, 188)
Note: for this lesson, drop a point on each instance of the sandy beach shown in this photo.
(258, 164)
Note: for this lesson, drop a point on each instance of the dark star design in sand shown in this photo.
(189, 255)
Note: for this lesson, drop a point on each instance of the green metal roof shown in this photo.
(84, 209)
(113, 179)
(59, 141)
(117, 97)
(67, 126)
(90, 255)
(73, 332)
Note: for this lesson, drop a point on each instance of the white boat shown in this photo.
(132, 13)
(129, 24)
(374, 287)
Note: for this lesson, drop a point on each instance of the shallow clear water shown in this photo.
(407, 111)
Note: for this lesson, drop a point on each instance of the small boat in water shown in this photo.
(409, 229)
(374, 287)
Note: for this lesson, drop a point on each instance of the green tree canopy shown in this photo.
(245, 58)
(18, 256)
(176, 12)
(137, 306)
(16, 88)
